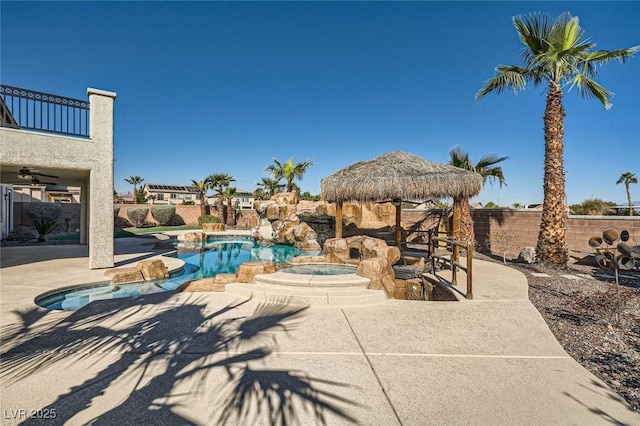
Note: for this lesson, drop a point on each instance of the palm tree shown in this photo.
(135, 181)
(289, 171)
(201, 187)
(219, 183)
(229, 193)
(271, 186)
(556, 54)
(486, 168)
(628, 178)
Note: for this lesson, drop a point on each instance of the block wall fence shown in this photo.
(188, 215)
(521, 226)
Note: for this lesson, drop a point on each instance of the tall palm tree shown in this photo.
(135, 181)
(485, 167)
(271, 186)
(219, 183)
(628, 178)
(229, 193)
(289, 171)
(201, 187)
(556, 54)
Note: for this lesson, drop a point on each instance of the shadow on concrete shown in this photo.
(154, 357)
(21, 255)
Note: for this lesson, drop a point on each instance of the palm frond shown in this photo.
(509, 77)
(533, 30)
(589, 89)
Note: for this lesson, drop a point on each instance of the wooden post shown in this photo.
(469, 270)
(398, 204)
(339, 219)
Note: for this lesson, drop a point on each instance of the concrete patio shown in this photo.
(219, 358)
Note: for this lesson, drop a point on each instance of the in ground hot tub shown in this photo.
(320, 269)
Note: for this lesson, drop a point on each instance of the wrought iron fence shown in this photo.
(44, 112)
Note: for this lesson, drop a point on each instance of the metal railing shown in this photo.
(43, 112)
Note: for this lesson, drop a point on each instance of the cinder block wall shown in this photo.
(69, 210)
(523, 227)
(189, 214)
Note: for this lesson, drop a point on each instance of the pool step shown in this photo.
(316, 296)
(304, 280)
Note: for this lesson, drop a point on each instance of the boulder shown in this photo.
(263, 232)
(153, 269)
(527, 255)
(213, 227)
(124, 275)
(286, 197)
(312, 245)
(336, 250)
(303, 232)
(216, 283)
(194, 237)
(248, 270)
(380, 272)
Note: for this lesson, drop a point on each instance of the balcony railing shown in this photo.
(43, 112)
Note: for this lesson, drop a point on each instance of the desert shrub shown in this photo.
(43, 227)
(163, 214)
(43, 216)
(209, 218)
(137, 216)
(116, 210)
(21, 234)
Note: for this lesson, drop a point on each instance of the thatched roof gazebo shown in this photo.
(397, 176)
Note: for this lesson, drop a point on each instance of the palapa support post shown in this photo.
(339, 219)
(454, 249)
(398, 233)
(469, 270)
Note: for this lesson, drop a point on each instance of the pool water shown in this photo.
(320, 269)
(202, 260)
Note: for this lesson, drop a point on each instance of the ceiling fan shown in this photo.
(30, 174)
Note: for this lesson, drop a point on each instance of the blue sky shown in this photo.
(208, 87)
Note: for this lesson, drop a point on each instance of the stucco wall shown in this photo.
(91, 160)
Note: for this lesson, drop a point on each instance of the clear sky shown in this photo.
(212, 87)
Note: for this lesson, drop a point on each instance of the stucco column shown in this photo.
(100, 190)
(84, 216)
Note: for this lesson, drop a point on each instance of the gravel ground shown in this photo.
(596, 321)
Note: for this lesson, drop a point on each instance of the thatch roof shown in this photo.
(399, 175)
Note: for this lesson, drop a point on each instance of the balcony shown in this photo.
(43, 112)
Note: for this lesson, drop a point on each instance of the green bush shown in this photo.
(116, 210)
(208, 219)
(21, 234)
(137, 216)
(42, 211)
(163, 214)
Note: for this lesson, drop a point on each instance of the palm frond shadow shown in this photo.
(157, 356)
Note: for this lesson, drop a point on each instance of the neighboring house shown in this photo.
(170, 194)
(68, 141)
(243, 200)
(49, 194)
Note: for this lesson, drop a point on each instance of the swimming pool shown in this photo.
(221, 255)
